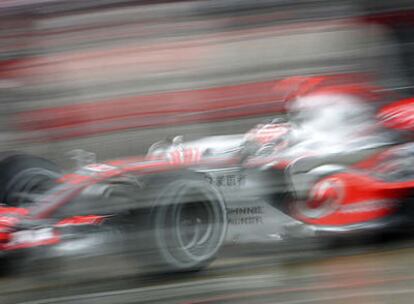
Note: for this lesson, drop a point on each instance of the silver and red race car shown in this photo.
(332, 167)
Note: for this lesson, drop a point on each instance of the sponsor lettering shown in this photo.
(250, 220)
(229, 180)
(252, 215)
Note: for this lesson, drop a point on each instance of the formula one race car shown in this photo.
(331, 168)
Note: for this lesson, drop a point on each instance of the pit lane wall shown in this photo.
(114, 80)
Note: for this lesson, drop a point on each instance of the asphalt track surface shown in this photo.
(294, 272)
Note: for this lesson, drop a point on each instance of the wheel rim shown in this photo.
(194, 225)
(190, 233)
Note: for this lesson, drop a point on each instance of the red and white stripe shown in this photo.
(184, 156)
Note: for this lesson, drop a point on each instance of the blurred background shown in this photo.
(114, 76)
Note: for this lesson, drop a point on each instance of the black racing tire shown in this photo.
(22, 175)
(188, 223)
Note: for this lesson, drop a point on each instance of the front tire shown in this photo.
(188, 224)
(23, 176)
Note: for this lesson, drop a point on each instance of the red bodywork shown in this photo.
(352, 198)
(357, 195)
(12, 238)
(399, 115)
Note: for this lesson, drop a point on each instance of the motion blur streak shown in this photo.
(206, 151)
(110, 54)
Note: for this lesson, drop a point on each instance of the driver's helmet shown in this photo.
(292, 88)
(325, 101)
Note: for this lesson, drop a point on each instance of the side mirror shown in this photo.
(82, 157)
